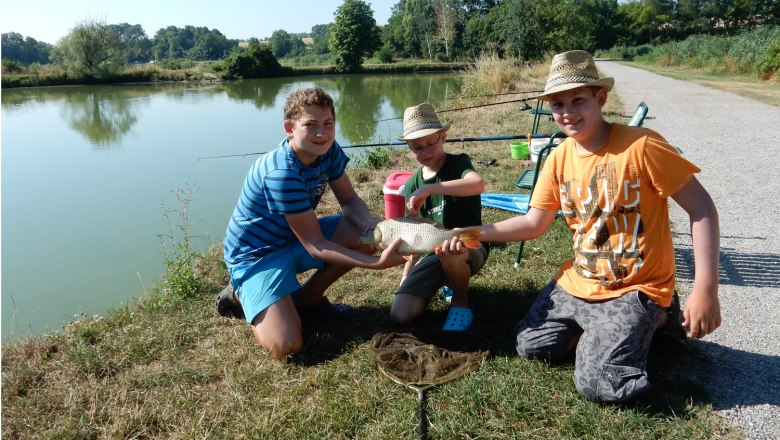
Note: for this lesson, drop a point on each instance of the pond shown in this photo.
(88, 171)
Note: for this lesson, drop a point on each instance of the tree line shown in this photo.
(442, 30)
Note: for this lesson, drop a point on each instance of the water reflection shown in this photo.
(104, 115)
(261, 92)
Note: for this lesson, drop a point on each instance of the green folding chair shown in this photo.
(528, 178)
(639, 115)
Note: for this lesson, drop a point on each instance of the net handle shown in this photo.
(422, 427)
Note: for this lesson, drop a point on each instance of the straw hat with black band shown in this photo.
(420, 121)
(573, 69)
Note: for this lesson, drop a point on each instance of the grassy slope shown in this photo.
(167, 368)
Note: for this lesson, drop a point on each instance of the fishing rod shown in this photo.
(395, 143)
(398, 143)
(523, 108)
(461, 139)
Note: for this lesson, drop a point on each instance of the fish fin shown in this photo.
(470, 238)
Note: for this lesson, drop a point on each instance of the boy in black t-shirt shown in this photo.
(446, 189)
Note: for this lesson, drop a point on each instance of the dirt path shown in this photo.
(733, 140)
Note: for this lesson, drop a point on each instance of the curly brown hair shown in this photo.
(300, 99)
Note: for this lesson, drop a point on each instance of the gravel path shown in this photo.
(733, 141)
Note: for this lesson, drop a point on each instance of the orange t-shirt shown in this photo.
(615, 203)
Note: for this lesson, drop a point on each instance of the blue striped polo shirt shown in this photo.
(276, 185)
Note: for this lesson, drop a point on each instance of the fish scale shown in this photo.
(419, 236)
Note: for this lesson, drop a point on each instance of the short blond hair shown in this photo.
(300, 99)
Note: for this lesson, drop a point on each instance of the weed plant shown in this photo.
(179, 256)
(167, 366)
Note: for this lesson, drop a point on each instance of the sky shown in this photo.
(50, 20)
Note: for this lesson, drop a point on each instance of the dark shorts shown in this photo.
(427, 276)
(611, 355)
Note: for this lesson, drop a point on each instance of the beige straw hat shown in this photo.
(420, 121)
(573, 69)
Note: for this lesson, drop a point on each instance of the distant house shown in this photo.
(245, 44)
(308, 42)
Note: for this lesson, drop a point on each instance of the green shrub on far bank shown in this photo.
(11, 66)
(256, 62)
(625, 53)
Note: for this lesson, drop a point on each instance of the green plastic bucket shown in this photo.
(519, 150)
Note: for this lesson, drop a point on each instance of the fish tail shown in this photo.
(470, 238)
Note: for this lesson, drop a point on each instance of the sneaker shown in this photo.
(226, 305)
(326, 311)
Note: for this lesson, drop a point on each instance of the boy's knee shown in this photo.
(547, 346)
(406, 308)
(611, 384)
(401, 317)
(283, 347)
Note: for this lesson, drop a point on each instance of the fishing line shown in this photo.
(524, 100)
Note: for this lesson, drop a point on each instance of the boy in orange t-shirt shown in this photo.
(612, 184)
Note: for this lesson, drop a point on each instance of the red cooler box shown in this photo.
(394, 194)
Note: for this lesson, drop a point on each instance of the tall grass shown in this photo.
(490, 75)
(755, 52)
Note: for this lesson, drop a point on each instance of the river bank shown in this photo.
(207, 73)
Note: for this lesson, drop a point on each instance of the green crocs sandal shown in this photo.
(459, 319)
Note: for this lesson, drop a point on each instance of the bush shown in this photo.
(377, 158)
(255, 62)
(176, 63)
(385, 54)
(442, 58)
(310, 59)
(751, 51)
(627, 53)
(181, 279)
(11, 66)
(768, 65)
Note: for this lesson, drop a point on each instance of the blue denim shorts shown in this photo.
(260, 283)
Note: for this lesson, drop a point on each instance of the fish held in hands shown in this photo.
(419, 236)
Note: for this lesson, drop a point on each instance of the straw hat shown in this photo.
(573, 69)
(420, 121)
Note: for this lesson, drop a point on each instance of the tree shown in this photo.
(524, 25)
(195, 43)
(24, 50)
(139, 46)
(210, 46)
(420, 24)
(446, 19)
(281, 43)
(354, 35)
(320, 33)
(91, 50)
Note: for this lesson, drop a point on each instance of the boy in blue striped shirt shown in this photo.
(275, 234)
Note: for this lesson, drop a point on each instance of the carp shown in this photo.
(419, 236)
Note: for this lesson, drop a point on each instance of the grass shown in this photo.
(167, 366)
(746, 85)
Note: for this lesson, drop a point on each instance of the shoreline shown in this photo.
(159, 75)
